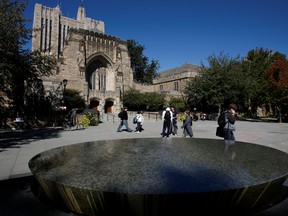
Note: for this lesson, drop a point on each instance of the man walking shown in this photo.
(167, 122)
(124, 121)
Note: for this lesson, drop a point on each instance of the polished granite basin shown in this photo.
(162, 176)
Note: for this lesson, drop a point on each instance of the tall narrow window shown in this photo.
(41, 35)
(46, 36)
(64, 35)
(93, 80)
(176, 86)
(59, 39)
(102, 79)
(50, 35)
(161, 87)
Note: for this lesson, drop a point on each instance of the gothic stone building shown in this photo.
(96, 64)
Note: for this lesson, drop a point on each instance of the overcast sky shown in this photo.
(187, 31)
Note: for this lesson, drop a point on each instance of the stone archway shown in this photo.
(109, 106)
(94, 105)
(96, 72)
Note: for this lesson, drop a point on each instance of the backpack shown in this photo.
(120, 114)
(135, 119)
(167, 116)
(222, 120)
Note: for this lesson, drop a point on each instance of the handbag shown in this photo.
(230, 127)
(220, 132)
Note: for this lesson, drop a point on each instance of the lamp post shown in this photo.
(65, 81)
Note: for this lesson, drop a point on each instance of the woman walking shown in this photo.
(187, 125)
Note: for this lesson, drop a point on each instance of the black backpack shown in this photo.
(222, 120)
(167, 116)
(120, 114)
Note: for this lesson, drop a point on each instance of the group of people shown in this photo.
(139, 119)
(170, 117)
(170, 123)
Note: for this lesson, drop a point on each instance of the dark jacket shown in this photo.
(231, 118)
(124, 115)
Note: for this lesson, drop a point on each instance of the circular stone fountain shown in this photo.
(156, 176)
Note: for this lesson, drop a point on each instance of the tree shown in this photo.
(133, 99)
(255, 64)
(178, 103)
(73, 99)
(151, 101)
(277, 80)
(20, 69)
(216, 85)
(143, 71)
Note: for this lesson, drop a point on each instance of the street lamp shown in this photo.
(64, 82)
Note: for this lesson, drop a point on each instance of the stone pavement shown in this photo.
(17, 148)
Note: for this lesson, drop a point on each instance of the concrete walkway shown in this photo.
(17, 148)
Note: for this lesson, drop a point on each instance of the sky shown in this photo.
(187, 31)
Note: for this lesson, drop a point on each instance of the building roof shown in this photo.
(178, 70)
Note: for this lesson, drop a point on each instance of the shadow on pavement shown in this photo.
(18, 199)
(14, 139)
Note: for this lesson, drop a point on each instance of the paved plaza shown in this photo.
(17, 148)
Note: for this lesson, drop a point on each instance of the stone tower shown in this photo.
(96, 64)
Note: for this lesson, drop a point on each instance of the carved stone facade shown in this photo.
(94, 63)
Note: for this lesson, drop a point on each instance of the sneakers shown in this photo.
(137, 132)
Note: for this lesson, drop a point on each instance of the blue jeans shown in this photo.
(166, 130)
(124, 122)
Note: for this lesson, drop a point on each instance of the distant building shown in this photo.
(96, 64)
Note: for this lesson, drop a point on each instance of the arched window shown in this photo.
(98, 79)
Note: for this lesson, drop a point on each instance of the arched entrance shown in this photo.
(94, 105)
(108, 106)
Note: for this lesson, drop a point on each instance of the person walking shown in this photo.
(167, 122)
(174, 121)
(124, 121)
(139, 121)
(187, 124)
(230, 119)
(72, 115)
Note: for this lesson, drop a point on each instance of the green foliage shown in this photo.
(217, 85)
(178, 103)
(73, 99)
(143, 101)
(92, 118)
(20, 70)
(233, 80)
(255, 65)
(143, 72)
(153, 101)
(133, 99)
(85, 121)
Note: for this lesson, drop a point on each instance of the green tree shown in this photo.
(133, 99)
(143, 71)
(149, 101)
(153, 101)
(217, 85)
(255, 64)
(73, 99)
(20, 69)
(178, 103)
